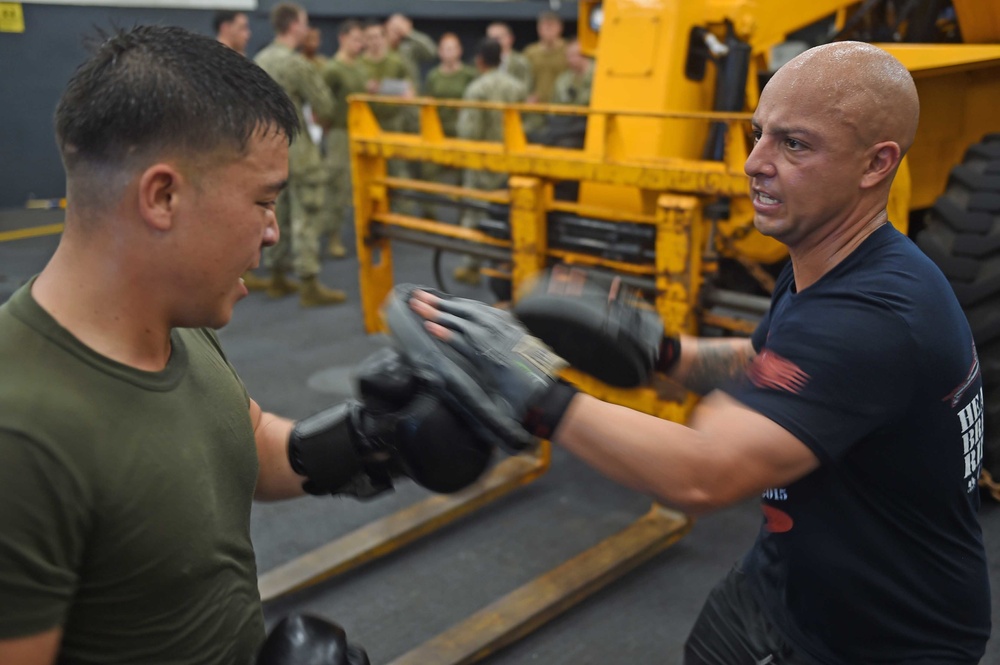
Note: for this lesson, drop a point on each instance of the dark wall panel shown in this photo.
(35, 65)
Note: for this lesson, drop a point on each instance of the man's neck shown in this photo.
(345, 56)
(450, 67)
(814, 258)
(288, 40)
(104, 305)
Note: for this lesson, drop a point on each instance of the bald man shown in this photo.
(854, 411)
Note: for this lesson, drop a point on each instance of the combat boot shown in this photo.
(255, 283)
(280, 286)
(314, 294)
(336, 248)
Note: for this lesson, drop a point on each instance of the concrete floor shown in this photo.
(296, 361)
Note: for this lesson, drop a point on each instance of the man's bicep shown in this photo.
(755, 452)
(39, 649)
(44, 511)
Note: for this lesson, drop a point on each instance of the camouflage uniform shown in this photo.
(486, 125)
(317, 60)
(446, 85)
(519, 67)
(301, 201)
(573, 88)
(343, 78)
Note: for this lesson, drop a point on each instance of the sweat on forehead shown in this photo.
(864, 84)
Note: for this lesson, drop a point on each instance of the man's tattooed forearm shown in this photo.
(717, 363)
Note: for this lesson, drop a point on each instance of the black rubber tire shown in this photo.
(962, 236)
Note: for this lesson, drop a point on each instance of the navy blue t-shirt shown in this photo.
(877, 555)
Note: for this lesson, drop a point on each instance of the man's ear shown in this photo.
(883, 158)
(159, 188)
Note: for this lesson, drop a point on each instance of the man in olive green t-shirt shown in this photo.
(547, 57)
(446, 81)
(388, 75)
(130, 451)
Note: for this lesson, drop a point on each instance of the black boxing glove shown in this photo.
(397, 428)
(300, 639)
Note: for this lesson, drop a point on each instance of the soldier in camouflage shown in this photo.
(344, 75)
(492, 85)
(573, 85)
(299, 204)
(511, 62)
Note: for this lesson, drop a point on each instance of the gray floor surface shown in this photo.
(296, 361)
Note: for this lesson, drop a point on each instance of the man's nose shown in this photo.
(759, 162)
(271, 232)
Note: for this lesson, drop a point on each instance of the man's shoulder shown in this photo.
(533, 50)
(479, 85)
(272, 52)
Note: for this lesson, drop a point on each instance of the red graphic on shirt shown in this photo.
(778, 521)
(769, 370)
(955, 395)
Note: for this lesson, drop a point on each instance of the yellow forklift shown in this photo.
(653, 190)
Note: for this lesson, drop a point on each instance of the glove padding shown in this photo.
(599, 325)
(300, 639)
(491, 370)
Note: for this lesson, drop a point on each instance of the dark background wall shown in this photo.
(35, 65)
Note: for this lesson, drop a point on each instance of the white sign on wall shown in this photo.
(156, 4)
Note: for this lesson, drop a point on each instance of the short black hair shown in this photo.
(349, 25)
(159, 88)
(222, 17)
(488, 52)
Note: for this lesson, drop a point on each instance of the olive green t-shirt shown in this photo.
(448, 85)
(343, 78)
(125, 498)
(389, 67)
(546, 66)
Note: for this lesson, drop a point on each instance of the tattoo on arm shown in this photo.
(717, 362)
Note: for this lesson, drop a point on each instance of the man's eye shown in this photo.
(793, 144)
(266, 204)
(756, 136)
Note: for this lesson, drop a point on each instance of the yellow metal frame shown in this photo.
(680, 231)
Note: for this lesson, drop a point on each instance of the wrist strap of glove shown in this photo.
(670, 353)
(544, 416)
